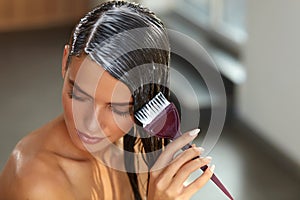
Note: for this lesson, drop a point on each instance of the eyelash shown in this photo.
(73, 96)
(122, 114)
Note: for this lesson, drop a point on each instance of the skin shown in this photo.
(53, 162)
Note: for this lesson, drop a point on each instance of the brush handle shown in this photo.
(167, 125)
(214, 178)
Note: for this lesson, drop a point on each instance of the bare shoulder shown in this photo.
(31, 174)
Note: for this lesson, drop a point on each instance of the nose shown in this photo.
(92, 123)
(95, 121)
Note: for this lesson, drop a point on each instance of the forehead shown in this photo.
(97, 82)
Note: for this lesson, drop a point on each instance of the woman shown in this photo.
(116, 61)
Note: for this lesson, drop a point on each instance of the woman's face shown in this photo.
(97, 107)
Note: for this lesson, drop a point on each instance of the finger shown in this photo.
(193, 187)
(186, 170)
(167, 155)
(180, 151)
(178, 163)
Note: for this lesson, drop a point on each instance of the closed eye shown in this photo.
(77, 93)
(121, 110)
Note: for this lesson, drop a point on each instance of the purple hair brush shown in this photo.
(160, 118)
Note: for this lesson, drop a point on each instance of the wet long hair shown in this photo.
(131, 43)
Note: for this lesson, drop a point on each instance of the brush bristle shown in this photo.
(152, 109)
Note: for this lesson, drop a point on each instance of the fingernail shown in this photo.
(208, 158)
(212, 168)
(194, 132)
(200, 149)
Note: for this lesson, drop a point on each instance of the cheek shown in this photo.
(118, 124)
(68, 115)
(67, 105)
(124, 125)
(68, 112)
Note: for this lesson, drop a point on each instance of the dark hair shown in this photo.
(120, 36)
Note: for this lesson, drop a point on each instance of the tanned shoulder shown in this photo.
(33, 176)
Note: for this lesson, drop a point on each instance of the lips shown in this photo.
(85, 138)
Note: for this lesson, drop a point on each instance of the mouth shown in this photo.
(85, 138)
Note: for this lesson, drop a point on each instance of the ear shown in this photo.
(65, 60)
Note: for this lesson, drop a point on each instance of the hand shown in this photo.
(168, 175)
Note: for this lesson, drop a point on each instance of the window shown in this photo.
(224, 18)
(223, 28)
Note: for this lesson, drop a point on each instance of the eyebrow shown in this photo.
(78, 88)
(85, 93)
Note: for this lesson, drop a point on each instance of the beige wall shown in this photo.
(27, 14)
(269, 100)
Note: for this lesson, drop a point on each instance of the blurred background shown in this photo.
(255, 45)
